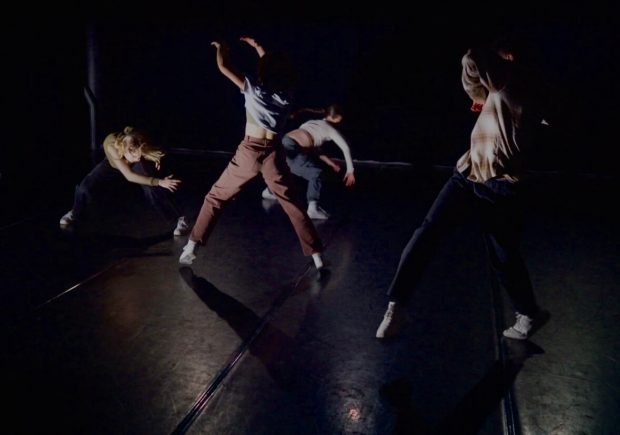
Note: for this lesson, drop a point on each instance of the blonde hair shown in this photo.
(134, 138)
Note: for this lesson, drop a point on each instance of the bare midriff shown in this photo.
(259, 132)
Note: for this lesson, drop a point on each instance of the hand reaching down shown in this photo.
(349, 179)
(169, 183)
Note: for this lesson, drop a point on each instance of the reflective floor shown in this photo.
(105, 333)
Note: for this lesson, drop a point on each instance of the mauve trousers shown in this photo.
(254, 156)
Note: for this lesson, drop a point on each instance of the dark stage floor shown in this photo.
(104, 333)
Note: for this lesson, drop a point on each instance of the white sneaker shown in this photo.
(318, 260)
(267, 194)
(67, 219)
(392, 322)
(316, 212)
(520, 329)
(182, 228)
(187, 256)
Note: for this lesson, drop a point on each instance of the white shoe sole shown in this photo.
(318, 217)
(64, 221)
(267, 195)
(186, 259)
(514, 334)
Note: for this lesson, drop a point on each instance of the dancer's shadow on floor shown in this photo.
(469, 415)
(272, 347)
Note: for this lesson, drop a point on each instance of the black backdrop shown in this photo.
(397, 73)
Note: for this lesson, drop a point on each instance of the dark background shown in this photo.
(395, 70)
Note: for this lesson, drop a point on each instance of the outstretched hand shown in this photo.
(349, 179)
(169, 183)
(253, 43)
(250, 41)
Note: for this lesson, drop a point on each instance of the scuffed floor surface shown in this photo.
(104, 332)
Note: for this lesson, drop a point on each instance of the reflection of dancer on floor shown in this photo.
(304, 155)
(486, 183)
(267, 104)
(129, 156)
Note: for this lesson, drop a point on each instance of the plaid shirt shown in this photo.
(503, 129)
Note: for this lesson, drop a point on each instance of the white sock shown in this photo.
(318, 261)
(191, 245)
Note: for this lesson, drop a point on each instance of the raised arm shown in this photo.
(470, 77)
(484, 71)
(252, 43)
(223, 64)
